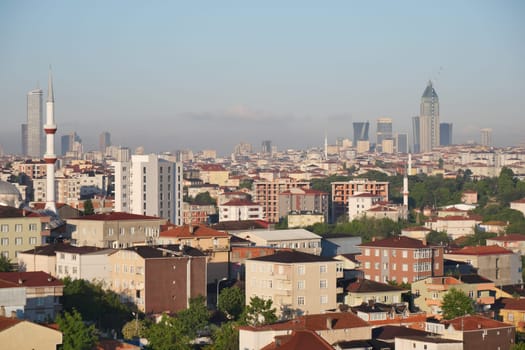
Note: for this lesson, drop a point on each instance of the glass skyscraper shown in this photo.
(34, 132)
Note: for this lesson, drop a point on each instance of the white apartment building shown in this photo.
(149, 185)
(359, 203)
(70, 189)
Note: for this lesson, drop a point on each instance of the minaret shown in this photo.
(50, 157)
(325, 146)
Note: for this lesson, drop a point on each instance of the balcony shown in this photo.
(433, 302)
(437, 287)
(283, 276)
(283, 293)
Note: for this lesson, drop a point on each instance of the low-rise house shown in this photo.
(240, 209)
(454, 226)
(332, 327)
(512, 311)
(493, 226)
(20, 230)
(299, 339)
(23, 334)
(299, 200)
(359, 203)
(498, 264)
(298, 239)
(476, 332)
(297, 282)
(518, 205)
(87, 263)
(469, 197)
(115, 230)
(514, 242)
(360, 291)
(213, 243)
(392, 212)
(43, 293)
(297, 219)
(379, 314)
(429, 292)
(416, 232)
(12, 299)
(158, 278)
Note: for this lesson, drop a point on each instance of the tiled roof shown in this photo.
(30, 279)
(240, 203)
(513, 304)
(165, 251)
(198, 231)
(360, 285)
(116, 216)
(416, 228)
(241, 225)
(481, 250)
(7, 212)
(299, 339)
(8, 322)
(431, 339)
(391, 332)
(509, 238)
(51, 249)
(519, 201)
(472, 279)
(474, 322)
(291, 257)
(396, 242)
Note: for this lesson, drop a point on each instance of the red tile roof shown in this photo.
(513, 304)
(117, 216)
(300, 339)
(482, 250)
(11, 212)
(416, 228)
(198, 231)
(472, 323)
(361, 285)
(240, 203)
(31, 279)
(510, 237)
(397, 242)
(7, 322)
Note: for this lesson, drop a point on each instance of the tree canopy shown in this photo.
(231, 302)
(456, 303)
(76, 334)
(259, 312)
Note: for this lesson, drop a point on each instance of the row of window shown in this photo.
(417, 267)
(268, 284)
(4, 228)
(418, 253)
(4, 241)
(301, 269)
(139, 270)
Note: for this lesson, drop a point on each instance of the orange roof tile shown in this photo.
(482, 250)
(198, 231)
(474, 322)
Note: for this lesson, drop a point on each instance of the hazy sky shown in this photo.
(208, 74)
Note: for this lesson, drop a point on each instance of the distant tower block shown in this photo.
(486, 137)
(50, 157)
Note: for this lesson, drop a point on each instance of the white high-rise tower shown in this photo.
(50, 157)
(429, 120)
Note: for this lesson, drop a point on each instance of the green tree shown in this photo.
(204, 199)
(259, 312)
(133, 329)
(5, 264)
(225, 337)
(456, 303)
(88, 207)
(231, 302)
(435, 237)
(165, 335)
(193, 319)
(76, 334)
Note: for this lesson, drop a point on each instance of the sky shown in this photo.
(169, 75)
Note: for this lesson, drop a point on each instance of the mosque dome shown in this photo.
(9, 195)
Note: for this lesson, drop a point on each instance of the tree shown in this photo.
(259, 312)
(164, 335)
(88, 207)
(5, 264)
(133, 329)
(231, 302)
(435, 237)
(76, 334)
(204, 199)
(225, 338)
(193, 319)
(456, 303)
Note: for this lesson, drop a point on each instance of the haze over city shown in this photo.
(172, 75)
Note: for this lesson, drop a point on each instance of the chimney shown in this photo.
(329, 323)
(191, 228)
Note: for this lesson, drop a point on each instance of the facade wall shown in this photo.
(27, 335)
(355, 299)
(31, 262)
(383, 264)
(240, 212)
(341, 191)
(21, 233)
(411, 344)
(300, 220)
(43, 303)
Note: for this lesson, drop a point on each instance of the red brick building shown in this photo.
(400, 259)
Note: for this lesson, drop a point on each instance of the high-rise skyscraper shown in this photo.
(429, 119)
(445, 134)
(415, 134)
(67, 143)
(360, 132)
(104, 141)
(35, 134)
(149, 185)
(402, 143)
(24, 139)
(383, 132)
(266, 147)
(486, 137)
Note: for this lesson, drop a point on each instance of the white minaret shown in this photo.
(325, 146)
(405, 191)
(50, 157)
(410, 163)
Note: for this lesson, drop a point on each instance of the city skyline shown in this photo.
(202, 77)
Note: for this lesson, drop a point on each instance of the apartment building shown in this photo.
(298, 239)
(115, 230)
(400, 259)
(239, 210)
(213, 243)
(20, 230)
(266, 193)
(303, 200)
(158, 278)
(342, 190)
(429, 292)
(297, 283)
(498, 264)
(70, 190)
(514, 242)
(213, 174)
(360, 291)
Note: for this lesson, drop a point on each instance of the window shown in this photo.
(339, 267)
(367, 264)
(18, 241)
(18, 227)
(367, 252)
(5, 241)
(376, 266)
(32, 227)
(385, 252)
(300, 270)
(394, 252)
(405, 254)
(323, 284)
(300, 284)
(324, 299)
(300, 300)
(376, 252)
(511, 316)
(4, 228)
(322, 269)
(405, 267)
(394, 266)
